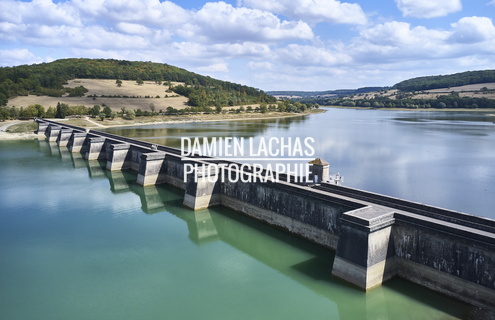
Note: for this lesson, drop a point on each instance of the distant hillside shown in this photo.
(446, 81)
(49, 78)
(328, 93)
(465, 90)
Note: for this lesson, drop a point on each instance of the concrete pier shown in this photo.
(52, 132)
(118, 156)
(95, 148)
(365, 248)
(152, 169)
(63, 137)
(375, 237)
(42, 126)
(76, 141)
(202, 189)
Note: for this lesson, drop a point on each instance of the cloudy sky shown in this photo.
(268, 44)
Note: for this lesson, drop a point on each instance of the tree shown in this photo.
(63, 110)
(130, 115)
(41, 110)
(119, 83)
(152, 108)
(107, 111)
(113, 114)
(102, 116)
(14, 112)
(140, 82)
(95, 110)
(263, 108)
(170, 110)
(50, 113)
(4, 113)
(77, 91)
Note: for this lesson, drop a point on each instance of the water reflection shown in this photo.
(466, 123)
(171, 134)
(296, 259)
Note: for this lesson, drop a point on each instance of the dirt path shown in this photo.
(5, 126)
(95, 123)
(4, 135)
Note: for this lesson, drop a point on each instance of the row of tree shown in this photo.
(281, 106)
(445, 101)
(63, 110)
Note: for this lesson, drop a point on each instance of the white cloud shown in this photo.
(217, 30)
(133, 28)
(246, 49)
(473, 30)
(17, 56)
(146, 12)
(219, 21)
(397, 41)
(398, 34)
(95, 37)
(306, 55)
(262, 65)
(9, 30)
(39, 12)
(332, 11)
(428, 8)
(217, 67)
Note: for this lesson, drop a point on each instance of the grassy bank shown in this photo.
(23, 127)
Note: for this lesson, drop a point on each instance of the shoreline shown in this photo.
(192, 120)
(4, 135)
(17, 136)
(419, 109)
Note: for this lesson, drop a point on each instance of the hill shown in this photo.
(48, 79)
(446, 81)
(465, 90)
(319, 94)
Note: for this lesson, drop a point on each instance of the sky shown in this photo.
(309, 45)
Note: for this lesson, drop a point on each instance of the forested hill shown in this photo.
(446, 81)
(49, 78)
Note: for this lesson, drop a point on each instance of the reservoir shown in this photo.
(80, 242)
(443, 159)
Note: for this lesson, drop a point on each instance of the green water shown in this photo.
(79, 242)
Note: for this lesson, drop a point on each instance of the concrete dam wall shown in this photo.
(375, 237)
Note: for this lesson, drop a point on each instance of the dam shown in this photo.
(375, 237)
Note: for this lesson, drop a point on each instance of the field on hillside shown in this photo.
(109, 88)
(472, 90)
